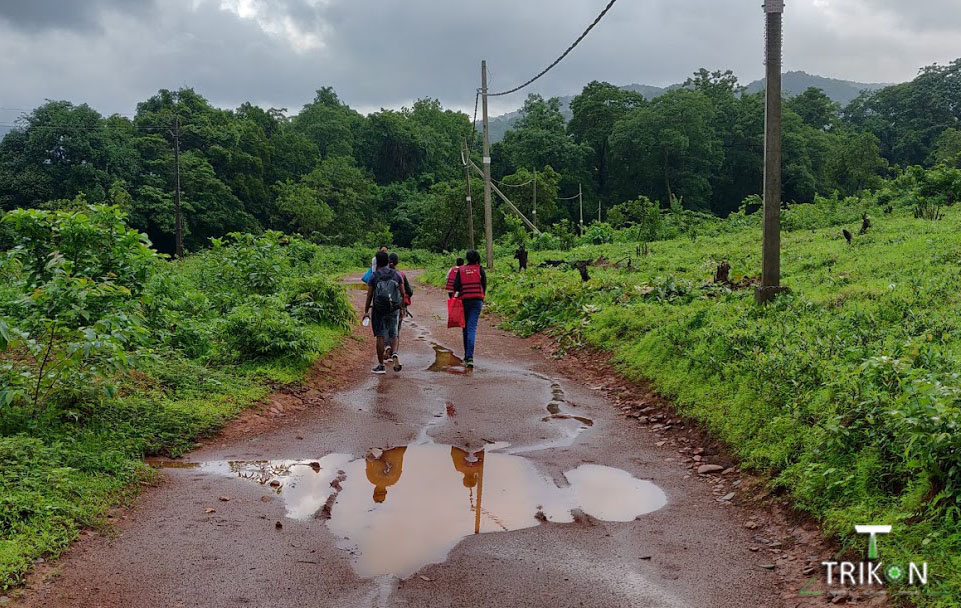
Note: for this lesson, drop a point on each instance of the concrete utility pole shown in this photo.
(771, 248)
(488, 227)
(178, 212)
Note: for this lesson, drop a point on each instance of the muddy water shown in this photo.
(446, 361)
(400, 509)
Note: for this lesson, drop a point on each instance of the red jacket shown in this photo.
(450, 278)
(469, 281)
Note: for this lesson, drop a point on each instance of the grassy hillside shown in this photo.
(846, 391)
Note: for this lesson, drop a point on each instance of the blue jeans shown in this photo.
(472, 310)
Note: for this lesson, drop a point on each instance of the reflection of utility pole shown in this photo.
(488, 228)
(771, 248)
(535, 196)
(178, 212)
(580, 198)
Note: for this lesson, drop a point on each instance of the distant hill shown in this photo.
(793, 83)
(841, 91)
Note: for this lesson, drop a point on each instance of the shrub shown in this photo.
(314, 299)
(263, 329)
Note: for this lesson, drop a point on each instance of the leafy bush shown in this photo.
(263, 329)
(78, 275)
(599, 233)
(315, 299)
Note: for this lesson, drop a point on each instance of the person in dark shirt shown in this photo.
(394, 260)
(383, 321)
(470, 285)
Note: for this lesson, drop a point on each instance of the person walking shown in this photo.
(450, 277)
(393, 261)
(470, 285)
(373, 260)
(385, 299)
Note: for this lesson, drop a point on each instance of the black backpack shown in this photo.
(386, 293)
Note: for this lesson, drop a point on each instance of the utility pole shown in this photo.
(470, 204)
(771, 248)
(580, 199)
(178, 212)
(535, 196)
(488, 227)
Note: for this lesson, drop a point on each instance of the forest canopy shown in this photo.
(336, 176)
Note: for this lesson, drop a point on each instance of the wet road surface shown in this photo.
(434, 486)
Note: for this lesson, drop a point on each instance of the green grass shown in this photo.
(845, 392)
(62, 478)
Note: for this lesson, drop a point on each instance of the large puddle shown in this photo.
(400, 509)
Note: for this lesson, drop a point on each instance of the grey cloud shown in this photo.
(377, 53)
(81, 15)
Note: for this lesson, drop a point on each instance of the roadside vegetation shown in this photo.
(845, 391)
(111, 353)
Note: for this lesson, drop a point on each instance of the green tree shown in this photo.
(668, 149)
(595, 111)
(540, 139)
(815, 108)
(947, 149)
(302, 207)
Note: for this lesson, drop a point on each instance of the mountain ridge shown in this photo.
(793, 83)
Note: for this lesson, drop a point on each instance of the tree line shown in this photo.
(336, 176)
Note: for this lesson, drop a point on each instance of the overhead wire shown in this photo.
(563, 55)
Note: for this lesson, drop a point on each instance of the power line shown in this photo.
(563, 55)
(499, 183)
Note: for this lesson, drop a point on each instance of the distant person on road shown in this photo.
(393, 260)
(373, 260)
(385, 299)
(450, 277)
(470, 285)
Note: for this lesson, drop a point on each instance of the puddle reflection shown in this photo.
(446, 361)
(400, 509)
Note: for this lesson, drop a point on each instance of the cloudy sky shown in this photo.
(385, 53)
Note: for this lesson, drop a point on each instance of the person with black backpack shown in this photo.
(385, 299)
(393, 261)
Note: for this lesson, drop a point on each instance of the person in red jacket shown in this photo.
(450, 277)
(470, 285)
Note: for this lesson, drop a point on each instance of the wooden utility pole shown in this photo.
(178, 212)
(488, 227)
(535, 196)
(470, 203)
(580, 200)
(771, 248)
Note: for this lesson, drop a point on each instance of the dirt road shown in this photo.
(374, 500)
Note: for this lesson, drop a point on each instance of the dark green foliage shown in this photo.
(109, 353)
(262, 328)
